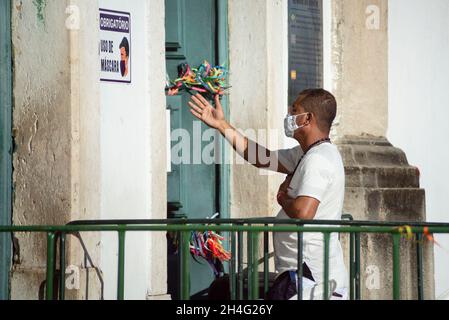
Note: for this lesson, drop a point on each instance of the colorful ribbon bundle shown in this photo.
(407, 233)
(205, 79)
(208, 245)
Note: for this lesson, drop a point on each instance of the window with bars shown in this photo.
(305, 46)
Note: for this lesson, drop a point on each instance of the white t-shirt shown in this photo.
(320, 175)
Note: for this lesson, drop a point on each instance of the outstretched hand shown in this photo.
(204, 111)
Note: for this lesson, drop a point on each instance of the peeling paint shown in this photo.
(40, 7)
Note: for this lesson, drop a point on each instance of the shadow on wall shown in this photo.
(88, 264)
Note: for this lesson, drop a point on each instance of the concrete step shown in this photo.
(372, 155)
(385, 204)
(382, 177)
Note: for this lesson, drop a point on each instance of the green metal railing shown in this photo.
(236, 228)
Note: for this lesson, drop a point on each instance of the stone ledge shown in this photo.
(386, 204)
(382, 177)
(370, 151)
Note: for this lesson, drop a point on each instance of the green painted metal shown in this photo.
(266, 263)
(252, 231)
(263, 221)
(240, 265)
(51, 259)
(396, 267)
(444, 228)
(62, 264)
(233, 277)
(195, 32)
(121, 265)
(300, 270)
(419, 263)
(326, 266)
(250, 254)
(351, 266)
(5, 144)
(357, 277)
(254, 264)
(185, 265)
(223, 58)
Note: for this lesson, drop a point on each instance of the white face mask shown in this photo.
(290, 125)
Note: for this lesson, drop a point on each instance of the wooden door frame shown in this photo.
(5, 144)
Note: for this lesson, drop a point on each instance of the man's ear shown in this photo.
(309, 118)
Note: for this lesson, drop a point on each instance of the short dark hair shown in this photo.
(322, 104)
(125, 44)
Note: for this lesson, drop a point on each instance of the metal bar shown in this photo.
(218, 228)
(253, 262)
(351, 266)
(121, 266)
(254, 280)
(233, 278)
(185, 264)
(266, 266)
(62, 263)
(357, 267)
(300, 270)
(261, 221)
(240, 266)
(50, 265)
(249, 268)
(419, 262)
(326, 266)
(396, 266)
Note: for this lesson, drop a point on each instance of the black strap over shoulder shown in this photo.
(317, 143)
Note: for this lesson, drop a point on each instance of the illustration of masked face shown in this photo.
(123, 62)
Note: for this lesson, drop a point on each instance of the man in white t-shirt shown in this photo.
(313, 189)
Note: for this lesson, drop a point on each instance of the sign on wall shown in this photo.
(115, 46)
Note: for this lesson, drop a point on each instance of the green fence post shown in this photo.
(326, 266)
(351, 266)
(249, 276)
(357, 267)
(50, 265)
(419, 263)
(232, 278)
(396, 266)
(300, 271)
(121, 266)
(185, 264)
(253, 262)
(240, 266)
(266, 266)
(62, 266)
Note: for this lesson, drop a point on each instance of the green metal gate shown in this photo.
(235, 229)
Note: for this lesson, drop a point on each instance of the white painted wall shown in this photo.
(419, 106)
(125, 165)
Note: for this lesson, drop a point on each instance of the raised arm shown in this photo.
(214, 118)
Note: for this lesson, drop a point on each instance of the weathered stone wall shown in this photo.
(41, 130)
(57, 132)
(256, 47)
(359, 54)
(382, 186)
